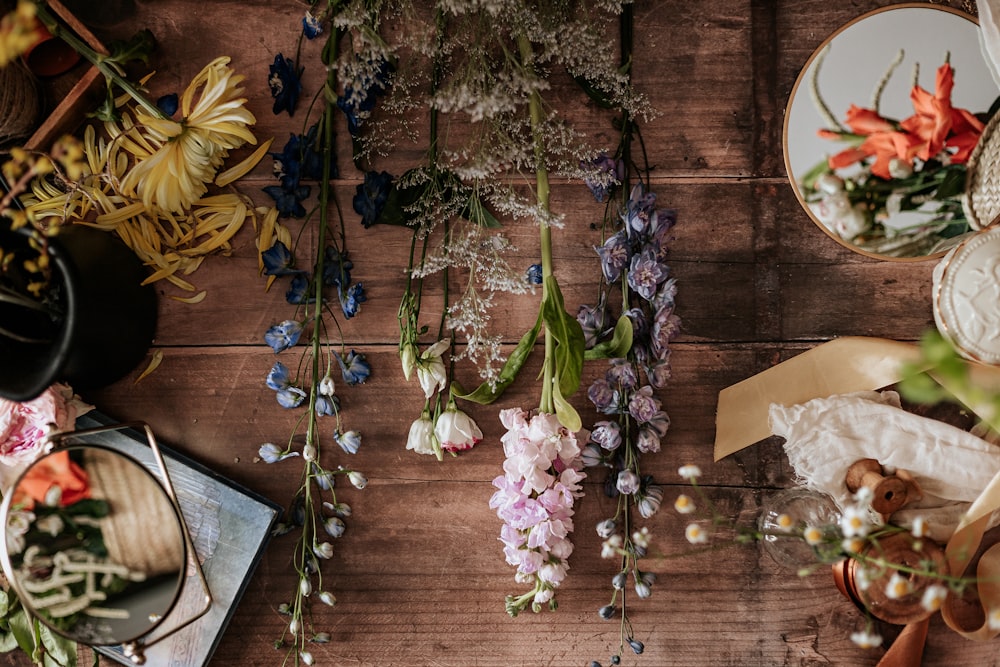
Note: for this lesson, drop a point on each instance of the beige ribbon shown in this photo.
(853, 364)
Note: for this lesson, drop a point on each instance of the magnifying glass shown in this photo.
(96, 547)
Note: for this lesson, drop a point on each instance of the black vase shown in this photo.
(99, 327)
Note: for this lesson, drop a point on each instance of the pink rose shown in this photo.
(24, 425)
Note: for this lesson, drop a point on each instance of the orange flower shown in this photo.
(53, 470)
(937, 124)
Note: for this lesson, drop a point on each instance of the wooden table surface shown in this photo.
(420, 575)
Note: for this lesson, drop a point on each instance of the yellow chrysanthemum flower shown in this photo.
(182, 157)
(17, 32)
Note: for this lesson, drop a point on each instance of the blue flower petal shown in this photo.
(354, 368)
(283, 80)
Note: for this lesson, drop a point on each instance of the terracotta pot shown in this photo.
(101, 324)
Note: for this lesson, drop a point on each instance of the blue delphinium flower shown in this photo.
(167, 104)
(359, 96)
(336, 267)
(370, 196)
(299, 159)
(349, 441)
(283, 79)
(351, 299)
(354, 368)
(277, 377)
(288, 201)
(278, 260)
(312, 26)
(535, 274)
(297, 291)
(327, 406)
(291, 397)
(271, 453)
(283, 335)
(334, 527)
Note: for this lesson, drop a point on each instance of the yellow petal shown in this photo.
(243, 168)
(154, 363)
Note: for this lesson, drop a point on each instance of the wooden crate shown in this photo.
(83, 96)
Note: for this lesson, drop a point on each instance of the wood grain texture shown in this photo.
(420, 576)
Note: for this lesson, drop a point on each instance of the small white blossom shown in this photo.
(611, 546)
(919, 528)
(933, 597)
(641, 537)
(695, 534)
(684, 504)
(689, 472)
(993, 619)
(866, 639)
(357, 479)
(854, 522)
(812, 535)
(898, 586)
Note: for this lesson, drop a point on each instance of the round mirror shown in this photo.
(875, 143)
(93, 545)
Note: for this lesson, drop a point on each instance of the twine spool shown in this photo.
(19, 103)
(897, 548)
(142, 531)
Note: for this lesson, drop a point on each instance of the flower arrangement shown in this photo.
(24, 427)
(911, 169)
(315, 513)
(884, 564)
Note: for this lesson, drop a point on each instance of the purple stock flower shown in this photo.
(622, 374)
(614, 256)
(648, 441)
(666, 326)
(627, 482)
(591, 321)
(643, 405)
(607, 434)
(603, 396)
(660, 372)
(604, 174)
(646, 273)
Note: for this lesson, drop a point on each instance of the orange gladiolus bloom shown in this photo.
(936, 126)
(53, 470)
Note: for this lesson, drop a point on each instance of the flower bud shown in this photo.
(327, 598)
(606, 528)
(357, 479)
(607, 611)
(305, 587)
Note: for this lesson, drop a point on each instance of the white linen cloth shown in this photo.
(989, 35)
(825, 436)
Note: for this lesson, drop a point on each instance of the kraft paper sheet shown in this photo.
(852, 364)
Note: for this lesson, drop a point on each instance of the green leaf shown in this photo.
(59, 651)
(566, 413)
(397, 204)
(20, 627)
(568, 335)
(139, 47)
(477, 213)
(598, 96)
(617, 346)
(484, 394)
(952, 185)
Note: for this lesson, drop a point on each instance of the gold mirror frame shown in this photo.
(799, 98)
(160, 629)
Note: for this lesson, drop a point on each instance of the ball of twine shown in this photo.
(19, 104)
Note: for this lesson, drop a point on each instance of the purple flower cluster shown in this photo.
(534, 498)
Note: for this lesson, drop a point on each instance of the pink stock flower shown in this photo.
(534, 498)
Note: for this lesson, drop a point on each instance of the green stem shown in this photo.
(98, 60)
(547, 402)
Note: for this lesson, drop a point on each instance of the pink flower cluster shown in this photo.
(534, 498)
(24, 425)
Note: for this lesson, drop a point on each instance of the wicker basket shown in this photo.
(982, 178)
